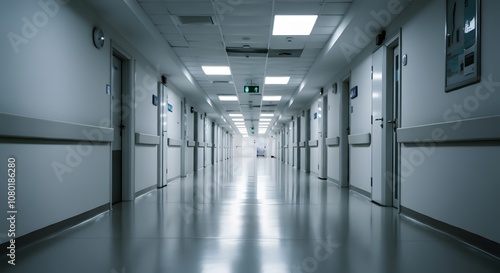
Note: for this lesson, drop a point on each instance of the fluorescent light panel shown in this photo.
(216, 70)
(294, 24)
(236, 115)
(271, 98)
(277, 80)
(238, 119)
(266, 115)
(228, 98)
(265, 119)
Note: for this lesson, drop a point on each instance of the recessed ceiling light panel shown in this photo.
(228, 98)
(216, 70)
(271, 98)
(294, 24)
(277, 80)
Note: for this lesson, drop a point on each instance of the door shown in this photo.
(396, 91)
(322, 128)
(345, 125)
(385, 90)
(307, 150)
(381, 189)
(163, 97)
(196, 150)
(117, 104)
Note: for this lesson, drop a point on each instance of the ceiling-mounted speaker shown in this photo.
(164, 80)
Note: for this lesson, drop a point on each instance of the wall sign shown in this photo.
(463, 58)
(170, 107)
(315, 115)
(353, 93)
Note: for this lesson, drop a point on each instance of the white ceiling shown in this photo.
(238, 23)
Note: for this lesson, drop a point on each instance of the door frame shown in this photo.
(393, 44)
(128, 137)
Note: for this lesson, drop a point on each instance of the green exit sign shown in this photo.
(251, 89)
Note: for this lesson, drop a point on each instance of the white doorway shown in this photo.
(122, 116)
(117, 104)
(385, 106)
(345, 130)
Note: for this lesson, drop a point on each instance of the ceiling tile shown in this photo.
(335, 8)
(190, 9)
(298, 8)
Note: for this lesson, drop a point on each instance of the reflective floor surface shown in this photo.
(251, 215)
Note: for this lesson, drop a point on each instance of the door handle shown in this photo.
(392, 121)
(382, 122)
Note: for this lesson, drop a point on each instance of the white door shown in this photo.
(163, 97)
(382, 130)
(322, 129)
(380, 193)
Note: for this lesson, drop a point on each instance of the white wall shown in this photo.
(457, 184)
(53, 77)
(440, 181)
(55, 72)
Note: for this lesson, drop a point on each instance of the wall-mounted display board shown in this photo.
(463, 56)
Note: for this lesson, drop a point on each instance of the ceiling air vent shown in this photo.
(285, 53)
(246, 52)
(195, 20)
(222, 82)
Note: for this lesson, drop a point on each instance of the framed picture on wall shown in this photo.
(463, 48)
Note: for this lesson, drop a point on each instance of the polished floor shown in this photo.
(251, 215)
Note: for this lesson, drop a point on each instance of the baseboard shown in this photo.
(334, 181)
(483, 244)
(173, 178)
(360, 191)
(146, 190)
(54, 229)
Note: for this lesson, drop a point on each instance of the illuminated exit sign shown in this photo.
(251, 89)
